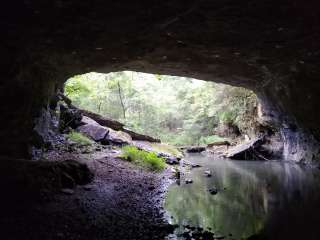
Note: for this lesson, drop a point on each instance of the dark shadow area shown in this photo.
(49, 191)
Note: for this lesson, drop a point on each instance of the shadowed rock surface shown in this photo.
(269, 46)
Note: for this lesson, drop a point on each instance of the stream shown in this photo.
(252, 196)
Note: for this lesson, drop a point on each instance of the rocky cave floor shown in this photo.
(121, 202)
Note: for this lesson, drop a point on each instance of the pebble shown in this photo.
(189, 181)
(213, 191)
(208, 173)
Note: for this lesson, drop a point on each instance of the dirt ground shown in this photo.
(122, 202)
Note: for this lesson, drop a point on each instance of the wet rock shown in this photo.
(172, 160)
(177, 174)
(213, 191)
(206, 235)
(208, 173)
(195, 149)
(191, 232)
(192, 165)
(188, 181)
(164, 155)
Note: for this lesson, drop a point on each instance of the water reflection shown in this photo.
(251, 194)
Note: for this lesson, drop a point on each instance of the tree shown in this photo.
(176, 109)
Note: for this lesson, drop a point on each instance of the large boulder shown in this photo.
(93, 130)
(249, 150)
(117, 137)
(103, 134)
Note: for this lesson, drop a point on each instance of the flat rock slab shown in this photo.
(245, 150)
(118, 137)
(94, 131)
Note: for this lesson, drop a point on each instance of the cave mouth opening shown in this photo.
(176, 110)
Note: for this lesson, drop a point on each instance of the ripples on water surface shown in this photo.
(252, 196)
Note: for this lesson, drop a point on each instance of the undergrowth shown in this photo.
(149, 160)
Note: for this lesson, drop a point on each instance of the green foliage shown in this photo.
(227, 116)
(76, 88)
(79, 138)
(149, 160)
(177, 110)
(211, 139)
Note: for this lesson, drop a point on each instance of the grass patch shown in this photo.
(79, 138)
(149, 160)
(165, 148)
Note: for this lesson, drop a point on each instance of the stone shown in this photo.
(93, 130)
(195, 165)
(195, 149)
(86, 120)
(188, 181)
(117, 137)
(213, 191)
(172, 160)
(208, 173)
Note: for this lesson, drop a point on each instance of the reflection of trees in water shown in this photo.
(253, 191)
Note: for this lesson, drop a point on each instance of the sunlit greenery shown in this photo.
(177, 110)
(79, 138)
(211, 139)
(149, 160)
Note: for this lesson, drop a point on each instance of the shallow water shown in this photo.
(252, 196)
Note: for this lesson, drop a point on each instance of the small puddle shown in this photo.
(249, 195)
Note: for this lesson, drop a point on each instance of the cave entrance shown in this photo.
(177, 110)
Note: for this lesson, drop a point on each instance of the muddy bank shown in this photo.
(122, 202)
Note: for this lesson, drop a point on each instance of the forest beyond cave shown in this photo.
(177, 110)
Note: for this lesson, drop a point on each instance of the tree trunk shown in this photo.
(121, 100)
